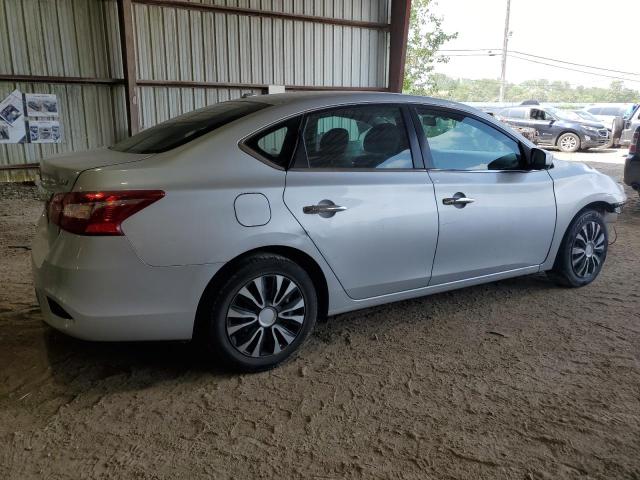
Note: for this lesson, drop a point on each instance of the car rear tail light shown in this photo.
(98, 213)
(633, 148)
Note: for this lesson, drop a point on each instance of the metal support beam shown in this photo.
(263, 13)
(250, 86)
(398, 37)
(21, 166)
(53, 79)
(125, 17)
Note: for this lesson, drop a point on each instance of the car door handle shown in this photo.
(457, 201)
(323, 208)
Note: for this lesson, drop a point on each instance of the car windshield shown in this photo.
(628, 113)
(185, 128)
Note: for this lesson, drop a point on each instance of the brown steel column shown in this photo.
(398, 36)
(125, 16)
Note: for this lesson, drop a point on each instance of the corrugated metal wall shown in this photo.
(204, 46)
(73, 38)
(80, 38)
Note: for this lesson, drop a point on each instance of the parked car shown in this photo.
(612, 116)
(632, 163)
(591, 118)
(630, 125)
(560, 128)
(241, 223)
(529, 133)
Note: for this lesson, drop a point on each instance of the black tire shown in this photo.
(569, 269)
(569, 142)
(267, 270)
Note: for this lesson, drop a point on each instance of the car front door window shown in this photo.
(459, 142)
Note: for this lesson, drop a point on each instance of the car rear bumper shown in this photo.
(632, 172)
(96, 288)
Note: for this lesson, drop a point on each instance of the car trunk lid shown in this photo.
(58, 174)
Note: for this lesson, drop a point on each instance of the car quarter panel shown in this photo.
(110, 294)
(577, 185)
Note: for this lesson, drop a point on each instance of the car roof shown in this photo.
(294, 103)
(523, 107)
(320, 98)
(610, 105)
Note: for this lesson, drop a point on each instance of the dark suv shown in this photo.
(632, 163)
(560, 128)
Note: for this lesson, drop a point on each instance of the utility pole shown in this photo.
(505, 43)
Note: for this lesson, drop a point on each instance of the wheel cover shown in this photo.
(568, 142)
(587, 251)
(265, 316)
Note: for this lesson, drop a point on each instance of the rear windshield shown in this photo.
(187, 127)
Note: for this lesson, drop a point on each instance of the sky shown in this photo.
(602, 34)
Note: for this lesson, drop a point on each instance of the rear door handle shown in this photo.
(457, 201)
(317, 209)
(326, 209)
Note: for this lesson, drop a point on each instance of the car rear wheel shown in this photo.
(262, 314)
(569, 142)
(583, 251)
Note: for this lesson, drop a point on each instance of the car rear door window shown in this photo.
(356, 137)
(612, 111)
(275, 144)
(516, 113)
(460, 142)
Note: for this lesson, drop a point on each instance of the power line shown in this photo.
(574, 69)
(543, 58)
(577, 64)
(543, 63)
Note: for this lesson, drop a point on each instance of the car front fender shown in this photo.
(577, 186)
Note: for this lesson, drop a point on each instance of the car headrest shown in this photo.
(334, 141)
(382, 139)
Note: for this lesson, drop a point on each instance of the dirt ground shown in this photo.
(518, 379)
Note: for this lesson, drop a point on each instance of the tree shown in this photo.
(426, 36)
(486, 90)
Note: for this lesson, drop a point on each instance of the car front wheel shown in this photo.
(569, 142)
(583, 251)
(262, 314)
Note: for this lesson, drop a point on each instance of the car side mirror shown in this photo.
(540, 159)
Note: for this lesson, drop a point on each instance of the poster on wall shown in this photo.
(44, 131)
(41, 105)
(12, 125)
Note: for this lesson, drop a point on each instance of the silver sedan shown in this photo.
(241, 223)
